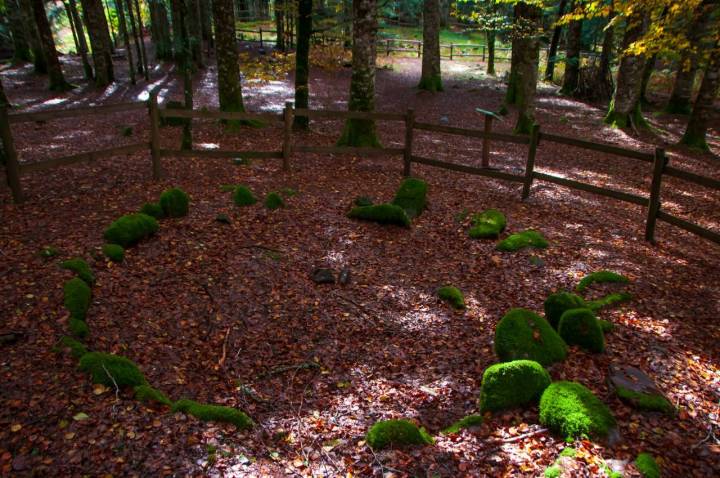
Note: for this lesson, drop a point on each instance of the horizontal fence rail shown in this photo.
(14, 170)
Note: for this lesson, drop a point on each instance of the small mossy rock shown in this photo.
(512, 384)
(243, 196)
(600, 277)
(636, 388)
(396, 433)
(81, 268)
(76, 348)
(570, 409)
(109, 370)
(557, 304)
(522, 334)
(131, 229)
(77, 295)
(581, 327)
(323, 276)
(274, 201)
(608, 300)
(411, 197)
(174, 202)
(453, 296)
(78, 328)
(363, 201)
(114, 252)
(213, 413)
(487, 225)
(521, 240)
(469, 421)
(382, 214)
(647, 466)
(223, 218)
(152, 209)
(148, 394)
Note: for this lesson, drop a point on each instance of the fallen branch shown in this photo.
(499, 443)
(221, 362)
(286, 368)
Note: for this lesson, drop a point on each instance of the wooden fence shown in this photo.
(652, 202)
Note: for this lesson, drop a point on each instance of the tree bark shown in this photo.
(98, 32)
(647, 73)
(82, 47)
(40, 66)
(57, 79)
(525, 59)
(604, 75)
(554, 41)
(362, 82)
(126, 38)
(445, 12)
(572, 58)
(430, 78)
(280, 25)
(161, 30)
(136, 36)
(228, 69)
(71, 22)
(141, 34)
(195, 33)
(21, 44)
(703, 109)
(302, 61)
(111, 30)
(490, 37)
(206, 25)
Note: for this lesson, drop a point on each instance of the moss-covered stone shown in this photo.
(152, 209)
(557, 304)
(606, 326)
(213, 413)
(487, 225)
(522, 334)
(78, 328)
(580, 327)
(81, 268)
(608, 300)
(243, 196)
(469, 421)
(274, 201)
(381, 213)
(511, 384)
(646, 401)
(109, 370)
(114, 252)
(600, 277)
(148, 394)
(647, 466)
(521, 240)
(76, 348)
(570, 409)
(77, 296)
(363, 201)
(175, 202)
(396, 433)
(131, 229)
(411, 196)
(452, 295)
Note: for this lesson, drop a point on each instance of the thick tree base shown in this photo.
(524, 125)
(695, 142)
(622, 120)
(359, 133)
(433, 84)
(678, 106)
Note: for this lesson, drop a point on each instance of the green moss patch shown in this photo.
(242, 196)
(647, 466)
(411, 196)
(363, 201)
(131, 229)
(452, 295)
(114, 252)
(522, 334)
(600, 277)
(581, 327)
(608, 300)
(213, 413)
(570, 409)
(49, 252)
(109, 369)
(274, 201)
(521, 240)
(469, 421)
(646, 401)
(76, 348)
(487, 225)
(77, 296)
(81, 268)
(396, 433)
(175, 202)
(511, 384)
(557, 304)
(152, 209)
(382, 214)
(148, 394)
(78, 328)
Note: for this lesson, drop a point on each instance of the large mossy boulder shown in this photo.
(77, 295)
(274, 201)
(557, 304)
(131, 229)
(521, 240)
(152, 209)
(581, 327)
(571, 409)
(511, 384)
(487, 225)
(111, 370)
(411, 196)
(175, 202)
(522, 334)
(382, 214)
(213, 413)
(396, 433)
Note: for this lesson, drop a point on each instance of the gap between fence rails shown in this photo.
(14, 170)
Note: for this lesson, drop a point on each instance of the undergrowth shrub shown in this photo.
(274, 201)
(522, 334)
(243, 196)
(411, 196)
(466, 422)
(570, 409)
(152, 209)
(148, 394)
(521, 240)
(174, 202)
(487, 225)
(396, 433)
(77, 295)
(382, 214)
(109, 369)
(600, 277)
(452, 295)
(114, 252)
(581, 327)
(511, 384)
(556, 304)
(81, 268)
(647, 466)
(213, 413)
(131, 229)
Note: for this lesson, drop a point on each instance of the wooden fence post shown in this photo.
(407, 153)
(387, 47)
(419, 48)
(530, 166)
(654, 205)
(451, 51)
(483, 53)
(287, 136)
(486, 142)
(154, 134)
(12, 168)
(261, 40)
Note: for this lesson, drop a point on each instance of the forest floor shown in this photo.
(209, 315)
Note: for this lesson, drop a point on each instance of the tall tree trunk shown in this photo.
(703, 108)
(572, 58)
(228, 69)
(445, 13)
(98, 32)
(279, 25)
(141, 34)
(4, 103)
(195, 33)
(111, 29)
(21, 44)
(554, 41)
(82, 47)
(76, 41)
(604, 75)
(161, 27)
(525, 59)
(647, 73)
(362, 83)
(430, 78)
(126, 38)
(302, 61)
(57, 79)
(206, 24)
(136, 36)
(490, 38)
(40, 66)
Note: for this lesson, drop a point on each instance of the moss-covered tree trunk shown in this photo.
(228, 69)
(554, 42)
(302, 60)
(82, 42)
(57, 79)
(572, 58)
(704, 104)
(430, 78)
(624, 108)
(21, 44)
(526, 60)
(359, 132)
(101, 49)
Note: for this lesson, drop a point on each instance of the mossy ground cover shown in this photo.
(487, 225)
(114, 252)
(603, 276)
(411, 196)
(81, 268)
(382, 214)
(522, 334)
(557, 304)
(243, 196)
(522, 240)
(396, 433)
(647, 466)
(274, 201)
(110, 370)
(469, 421)
(581, 327)
(152, 209)
(571, 410)
(511, 384)
(77, 296)
(148, 394)
(213, 413)
(175, 202)
(130, 229)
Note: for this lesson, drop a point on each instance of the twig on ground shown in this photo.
(117, 389)
(221, 362)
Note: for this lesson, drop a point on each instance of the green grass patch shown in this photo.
(243, 196)
(600, 277)
(647, 466)
(521, 240)
(109, 369)
(274, 201)
(411, 196)
(77, 296)
(511, 384)
(522, 334)
(570, 409)
(175, 202)
(152, 209)
(131, 229)
(466, 422)
(557, 304)
(396, 433)
(213, 413)
(114, 252)
(580, 327)
(382, 214)
(453, 296)
(487, 225)
(81, 268)
(148, 394)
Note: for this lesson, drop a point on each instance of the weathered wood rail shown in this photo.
(15, 170)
